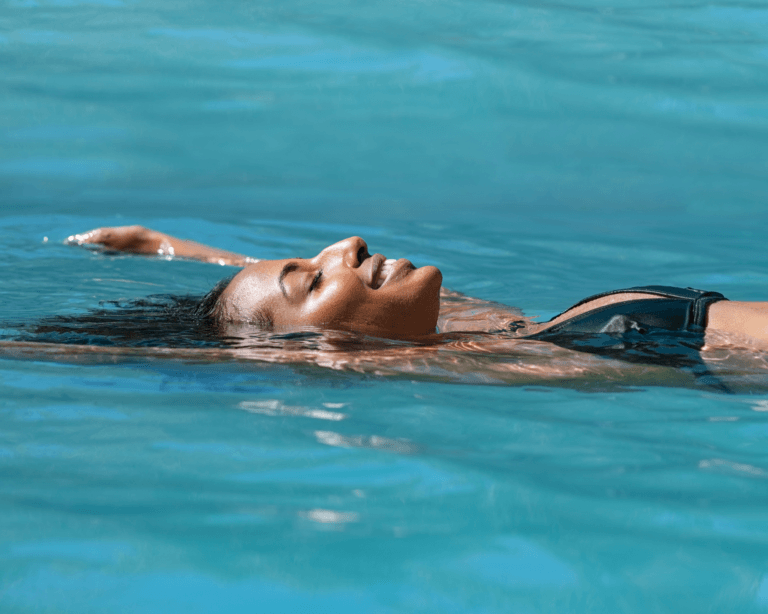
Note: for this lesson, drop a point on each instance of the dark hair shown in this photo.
(158, 320)
(207, 307)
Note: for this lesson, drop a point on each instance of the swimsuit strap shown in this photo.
(700, 299)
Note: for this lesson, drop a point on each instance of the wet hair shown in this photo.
(159, 320)
(208, 307)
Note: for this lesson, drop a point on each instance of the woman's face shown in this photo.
(343, 287)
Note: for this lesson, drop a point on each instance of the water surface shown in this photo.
(535, 152)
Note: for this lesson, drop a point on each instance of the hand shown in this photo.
(134, 239)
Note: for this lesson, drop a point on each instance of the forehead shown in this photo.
(254, 286)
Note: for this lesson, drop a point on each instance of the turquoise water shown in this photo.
(534, 152)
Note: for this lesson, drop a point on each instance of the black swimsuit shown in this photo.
(665, 331)
(679, 309)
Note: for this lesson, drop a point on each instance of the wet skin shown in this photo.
(343, 287)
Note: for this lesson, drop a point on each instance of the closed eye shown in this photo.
(316, 281)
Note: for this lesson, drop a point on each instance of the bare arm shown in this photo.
(140, 240)
(737, 323)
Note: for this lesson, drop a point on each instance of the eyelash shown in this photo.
(316, 281)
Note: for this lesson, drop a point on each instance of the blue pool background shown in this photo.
(534, 152)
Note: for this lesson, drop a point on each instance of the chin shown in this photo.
(433, 278)
(429, 303)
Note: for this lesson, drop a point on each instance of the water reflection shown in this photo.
(399, 446)
(330, 516)
(727, 465)
(275, 407)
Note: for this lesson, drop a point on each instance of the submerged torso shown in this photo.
(480, 342)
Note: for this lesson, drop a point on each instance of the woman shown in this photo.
(348, 310)
(346, 288)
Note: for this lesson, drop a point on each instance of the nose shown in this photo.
(351, 252)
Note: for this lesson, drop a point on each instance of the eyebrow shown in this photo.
(288, 268)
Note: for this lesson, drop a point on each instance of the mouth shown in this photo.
(385, 270)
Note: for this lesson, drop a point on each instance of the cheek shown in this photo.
(337, 303)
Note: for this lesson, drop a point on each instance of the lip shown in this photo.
(377, 263)
(400, 269)
(375, 269)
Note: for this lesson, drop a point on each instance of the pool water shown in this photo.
(536, 153)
